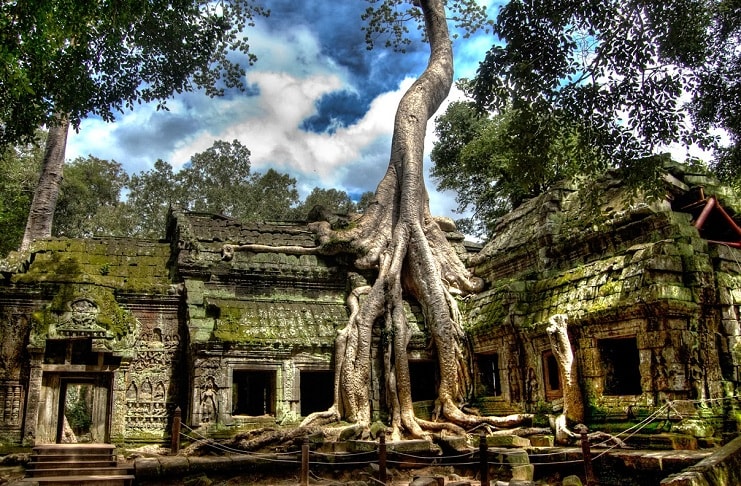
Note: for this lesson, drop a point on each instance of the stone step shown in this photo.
(73, 449)
(96, 480)
(62, 461)
(76, 465)
(77, 471)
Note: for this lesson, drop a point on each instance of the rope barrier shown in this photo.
(450, 461)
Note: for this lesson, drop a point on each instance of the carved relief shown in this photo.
(150, 381)
(81, 320)
(11, 396)
(209, 401)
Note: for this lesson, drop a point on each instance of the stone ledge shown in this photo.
(719, 469)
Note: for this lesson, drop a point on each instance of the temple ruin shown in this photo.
(103, 338)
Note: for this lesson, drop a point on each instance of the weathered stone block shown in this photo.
(523, 472)
(507, 441)
(428, 481)
(571, 481)
(541, 440)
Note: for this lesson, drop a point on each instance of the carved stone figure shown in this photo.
(209, 401)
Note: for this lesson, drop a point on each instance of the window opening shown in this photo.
(620, 361)
(552, 376)
(253, 392)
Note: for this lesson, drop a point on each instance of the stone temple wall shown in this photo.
(148, 326)
(652, 305)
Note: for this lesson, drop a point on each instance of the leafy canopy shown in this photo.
(19, 174)
(93, 57)
(98, 198)
(495, 162)
(616, 72)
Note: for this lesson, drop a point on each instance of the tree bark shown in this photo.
(44, 201)
(398, 237)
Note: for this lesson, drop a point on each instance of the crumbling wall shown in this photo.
(652, 306)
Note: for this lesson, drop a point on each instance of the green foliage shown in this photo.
(96, 58)
(89, 198)
(331, 200)
(616, 73)
(218, 180)
(150, 195)
(387, 20)
(78, 408)
(494, 163)
(19, 173)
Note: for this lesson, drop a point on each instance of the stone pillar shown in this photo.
(118, 402)
(34, 395)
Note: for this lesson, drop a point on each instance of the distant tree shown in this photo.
(150, 195)
(215, 180)
(365, 200)
(271, 197)
(62, 62)
(495, 162)
(19, 174)
(617, 73)
(90, 198)
(218, 180)
(331, 200)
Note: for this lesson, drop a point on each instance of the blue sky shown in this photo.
(319, 105)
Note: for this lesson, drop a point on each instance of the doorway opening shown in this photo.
(423, 375)
(75, 423)
(317, 391)
(552, 377)
(253, 392)
(489, 375)
(621, 362)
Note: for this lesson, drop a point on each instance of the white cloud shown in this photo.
(291, 76)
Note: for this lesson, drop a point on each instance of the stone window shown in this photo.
(317, 391)
(423, 375)
(552, 376)
(620, 362)
(253, 392)
(489, 375)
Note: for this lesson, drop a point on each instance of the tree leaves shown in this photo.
(98, 58)
(616, 72)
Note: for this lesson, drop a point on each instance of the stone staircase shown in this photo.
(76, 465)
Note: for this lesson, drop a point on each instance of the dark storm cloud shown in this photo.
(163, 131)
(370, 72)
(335, 110)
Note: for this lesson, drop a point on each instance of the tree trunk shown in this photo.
(398, 237)
(44, 201)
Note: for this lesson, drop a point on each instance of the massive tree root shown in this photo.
(398, 237)
(573, 402)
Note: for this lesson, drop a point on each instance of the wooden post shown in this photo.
(382, 456)
(484, 459)
(305, 463)
(586, 455)
(175, 431)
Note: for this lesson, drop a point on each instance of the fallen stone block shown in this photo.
(428, 481)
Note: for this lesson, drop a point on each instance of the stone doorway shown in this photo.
(75, 392)
(75, 418)
(75, 408)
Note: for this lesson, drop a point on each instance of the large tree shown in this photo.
(62, 61)
(19, 174)
(494, 162)
(398, 239)
(89, 202)
(619, 72)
